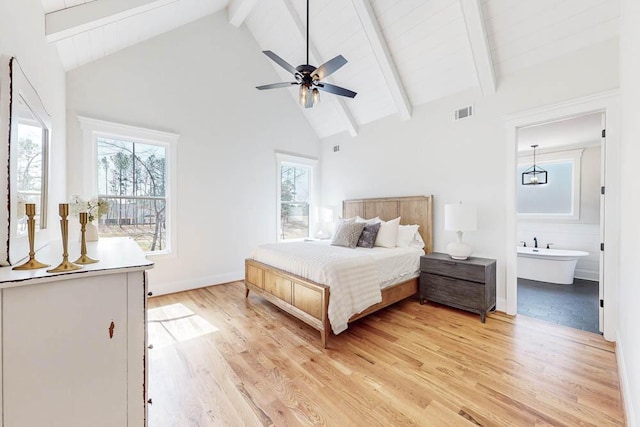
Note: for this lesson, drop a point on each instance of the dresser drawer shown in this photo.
(452, 291)
(451, 268)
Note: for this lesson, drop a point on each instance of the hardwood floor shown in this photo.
(219, 359)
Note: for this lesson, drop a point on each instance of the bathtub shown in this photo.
(548, 265)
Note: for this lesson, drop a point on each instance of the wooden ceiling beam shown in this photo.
(71, 21)
(341, 107)
(238, 10)
(383, 56)
(477, 34)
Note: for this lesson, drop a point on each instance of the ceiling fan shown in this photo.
(308, 77)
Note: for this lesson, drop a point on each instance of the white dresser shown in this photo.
(73, 345)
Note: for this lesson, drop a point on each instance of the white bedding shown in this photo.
(355, 276)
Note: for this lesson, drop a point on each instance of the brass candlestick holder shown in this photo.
(84, 258)
(65, 265)
(32, 263)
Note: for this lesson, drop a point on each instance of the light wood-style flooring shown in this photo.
(218, 359)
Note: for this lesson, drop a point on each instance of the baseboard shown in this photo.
(587, 275)
(501, 304)
(624, 384)
(200, 282)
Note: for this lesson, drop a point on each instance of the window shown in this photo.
(295, 202)
(560, 198)
(133, 171)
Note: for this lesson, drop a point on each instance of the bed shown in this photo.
(308, 300)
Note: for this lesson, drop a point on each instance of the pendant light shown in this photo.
(534, 175)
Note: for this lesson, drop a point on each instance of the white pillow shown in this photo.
(406, 234)
(368, 221)
(417, 242)
(388, 233)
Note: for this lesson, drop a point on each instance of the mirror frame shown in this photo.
(14, 84)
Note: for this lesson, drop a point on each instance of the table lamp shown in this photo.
(459, 217)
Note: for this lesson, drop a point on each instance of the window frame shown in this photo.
(93, 129)
(573, 156)
(296, 160)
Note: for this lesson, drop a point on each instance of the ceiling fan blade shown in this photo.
(330, 67)
(336, 90)
(276, 85)
(281, 62)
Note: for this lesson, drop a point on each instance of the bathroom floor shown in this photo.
(574, 305)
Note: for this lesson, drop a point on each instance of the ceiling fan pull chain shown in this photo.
(307, 32)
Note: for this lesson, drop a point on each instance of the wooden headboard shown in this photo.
(411, 210)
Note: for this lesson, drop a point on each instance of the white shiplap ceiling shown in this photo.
(401, 53)
(524, 33)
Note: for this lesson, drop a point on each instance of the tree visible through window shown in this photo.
(30, 166)
(295, 184)
(132, 177)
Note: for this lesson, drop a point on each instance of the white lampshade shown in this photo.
(460, 217)
(324, 222)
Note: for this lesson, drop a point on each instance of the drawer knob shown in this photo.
(150, 347)
(150, 401)
(150, 293)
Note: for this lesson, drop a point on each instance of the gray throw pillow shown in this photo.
(368, 235)
(348, 234)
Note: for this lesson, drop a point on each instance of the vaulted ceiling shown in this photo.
(401, 53)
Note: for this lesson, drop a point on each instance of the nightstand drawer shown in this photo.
(451, 268)
(448, 290)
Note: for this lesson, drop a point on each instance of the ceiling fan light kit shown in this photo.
(308, 77)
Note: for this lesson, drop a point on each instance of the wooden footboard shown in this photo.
(307, 300)
(302, 298)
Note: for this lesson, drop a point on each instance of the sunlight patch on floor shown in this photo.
(170, 324)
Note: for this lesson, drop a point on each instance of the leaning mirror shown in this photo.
(26, 155)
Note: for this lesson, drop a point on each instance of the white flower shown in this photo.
(94, 207)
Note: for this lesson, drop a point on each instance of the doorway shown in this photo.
(607, 104)
(558, 220)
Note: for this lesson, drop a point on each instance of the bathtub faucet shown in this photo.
(535, 242)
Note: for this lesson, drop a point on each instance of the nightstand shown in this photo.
(465, 284)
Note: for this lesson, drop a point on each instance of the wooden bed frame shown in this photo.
(309, 301)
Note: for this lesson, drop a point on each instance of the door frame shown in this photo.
(607, 103)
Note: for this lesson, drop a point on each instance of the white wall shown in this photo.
(199, 81)
(22, 36)
(582, 234)
(628, 343)
(464, 160)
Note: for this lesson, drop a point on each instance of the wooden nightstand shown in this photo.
(465, 284)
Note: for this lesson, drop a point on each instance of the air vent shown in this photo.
(336, 148)
(463, 113)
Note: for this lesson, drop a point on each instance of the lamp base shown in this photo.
(459, 250)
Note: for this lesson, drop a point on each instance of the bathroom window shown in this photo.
(560, 197)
